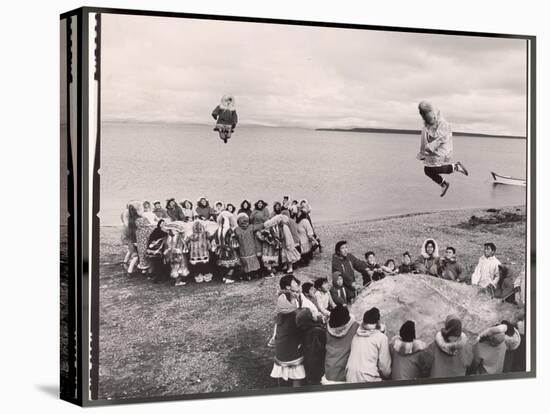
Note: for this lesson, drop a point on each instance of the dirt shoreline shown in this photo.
(158, 340)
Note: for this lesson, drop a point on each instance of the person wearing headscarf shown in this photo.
(436, 146)
(341, 329)
(226, 117)
(225, 246)
(428, 261)
(406, 352)
(450, 354)
(369, 359)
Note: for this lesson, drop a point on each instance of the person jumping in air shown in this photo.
(436, 146)
(226, 117)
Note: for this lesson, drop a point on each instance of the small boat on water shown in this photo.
(504, 179)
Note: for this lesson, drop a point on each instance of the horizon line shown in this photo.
(336, 129)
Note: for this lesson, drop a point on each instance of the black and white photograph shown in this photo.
(286, 206)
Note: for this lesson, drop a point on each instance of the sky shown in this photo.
(162, 69)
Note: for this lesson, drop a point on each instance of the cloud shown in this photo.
(170, 69)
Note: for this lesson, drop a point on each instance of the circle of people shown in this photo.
(318, 341)
(217, 240)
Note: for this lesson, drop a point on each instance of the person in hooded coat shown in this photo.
(515, 358)
(313, 345)
(406, 352)
(226, 117)
(450, 354)
(341, 329)
(198, 246)
(436, 146)
(225, 246)
(175, 253)
(245, 233)
(428, 261)
(369, 359)
(259, 215)
(278, 246)
(490, 350)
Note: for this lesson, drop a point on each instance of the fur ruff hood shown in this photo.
(228, 102)
(370, 329)
(407, 348)
(450, 348)
(341, 331)
(423, 250)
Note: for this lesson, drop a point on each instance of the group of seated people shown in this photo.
(317, 341)
(490, 274)
(205, 241)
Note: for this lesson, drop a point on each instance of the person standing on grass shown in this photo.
(406, 352)
(323, 297)
(340, 332)
(306, 237)
(450, 354)
(369, 358)
(225, 246)
(313, 344)
(347, 264)
(245, 233)
(289, 359)
(436, 146)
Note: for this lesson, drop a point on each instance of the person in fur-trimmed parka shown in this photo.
(340, 332)
(406, 352)
(450, 354)
(428, 261)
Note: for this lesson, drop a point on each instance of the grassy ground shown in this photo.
(158, 340)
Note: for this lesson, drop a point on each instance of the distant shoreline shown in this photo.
(363, 130)
(415, 132)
